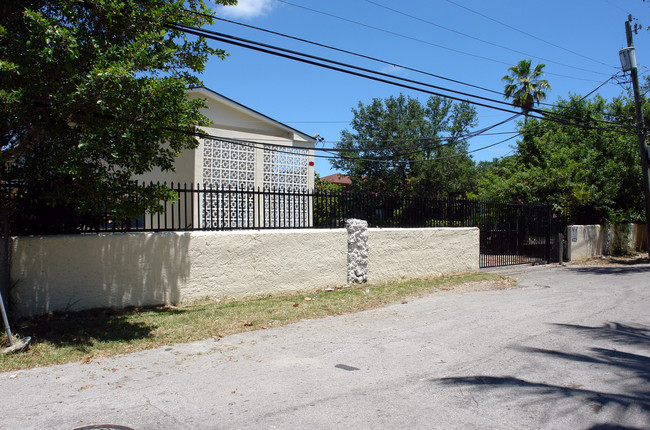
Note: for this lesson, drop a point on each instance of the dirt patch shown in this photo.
(471, 287)
(627, 260)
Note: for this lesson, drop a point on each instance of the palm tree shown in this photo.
(524, 86)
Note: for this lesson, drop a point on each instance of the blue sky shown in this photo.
(578, 40)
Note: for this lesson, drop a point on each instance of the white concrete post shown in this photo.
(357, 251)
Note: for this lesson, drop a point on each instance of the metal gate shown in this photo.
(515, 233)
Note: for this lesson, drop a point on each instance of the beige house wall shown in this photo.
(59, 273)
(229, 120)
(184, 173)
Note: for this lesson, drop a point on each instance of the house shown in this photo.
(246, 152)
(338, 179)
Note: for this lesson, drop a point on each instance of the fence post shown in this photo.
(357, 250)
(4, 259)
(548, 233)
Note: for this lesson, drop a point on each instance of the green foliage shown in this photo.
(328, 203)
(399, 145)
(525, 86)
(566, 165)
(89, 95)
(620, 240)
(321, 186)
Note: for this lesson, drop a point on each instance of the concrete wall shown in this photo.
(58, 273)
(633, 237)
(421, 252)
(587, 241)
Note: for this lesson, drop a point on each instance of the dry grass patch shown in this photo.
(78, 336)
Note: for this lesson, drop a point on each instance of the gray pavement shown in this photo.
(568, 350)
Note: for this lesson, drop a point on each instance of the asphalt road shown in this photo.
(568, 350)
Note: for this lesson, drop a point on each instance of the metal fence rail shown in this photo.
(510, 233)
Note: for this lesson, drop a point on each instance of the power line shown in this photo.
(479, 39)
(616, 6)
(546, 114)
(338, 156)
(261, 47)
(442, 138)
(362, 56)
(388, 63)
(338, 63)
(528, 34)
(340, 151)
(416, 39)
(449, 139)
(366, 57)
(289, 54)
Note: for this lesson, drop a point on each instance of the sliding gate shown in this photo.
(514, 233)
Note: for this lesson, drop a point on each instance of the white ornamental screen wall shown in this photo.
(229, 170)
(286, 183)
(228, 167)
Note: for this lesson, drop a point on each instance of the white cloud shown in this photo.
(393, 70)
(247, 9)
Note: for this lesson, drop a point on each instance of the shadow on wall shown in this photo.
(632, 370)
(60, 273)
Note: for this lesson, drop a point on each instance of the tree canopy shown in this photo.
(399, 145)
(525, 86)
(92, 93)
(587, 159)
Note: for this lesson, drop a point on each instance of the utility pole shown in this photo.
(628, 61)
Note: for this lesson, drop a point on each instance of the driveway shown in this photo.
(569, 349)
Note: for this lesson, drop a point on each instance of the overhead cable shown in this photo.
(322, 62)
(309, 59)
(278, 148)
(344, 51)
(479, 39)
(418, 40)
(530, 35)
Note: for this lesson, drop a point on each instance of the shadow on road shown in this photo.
(619, 333)
(632, 369)
(610, 270)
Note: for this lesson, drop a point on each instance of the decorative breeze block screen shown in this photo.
(285, 175)
(228, 166)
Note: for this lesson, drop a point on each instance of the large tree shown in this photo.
(588, 159)
(525, 86)
(400, 145)
(92, 93)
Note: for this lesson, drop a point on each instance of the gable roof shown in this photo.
(208, 93)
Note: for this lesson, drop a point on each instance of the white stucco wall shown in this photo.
(587, 241)
(58, 273)
(117, 270)
(421, 252)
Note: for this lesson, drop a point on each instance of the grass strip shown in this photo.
(59, 338)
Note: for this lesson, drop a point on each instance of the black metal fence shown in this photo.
(510, 233)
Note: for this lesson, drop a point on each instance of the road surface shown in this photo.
(570, 349)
